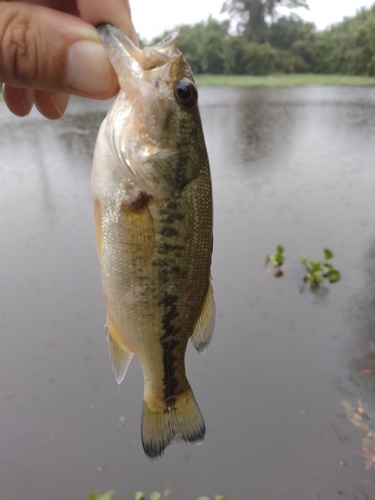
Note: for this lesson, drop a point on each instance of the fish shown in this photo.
(153, 213)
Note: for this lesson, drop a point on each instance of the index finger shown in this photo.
(95, 12)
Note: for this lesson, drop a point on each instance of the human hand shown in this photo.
(50, 49)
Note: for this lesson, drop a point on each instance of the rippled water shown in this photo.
(288, 371)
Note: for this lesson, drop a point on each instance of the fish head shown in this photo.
(154, 126)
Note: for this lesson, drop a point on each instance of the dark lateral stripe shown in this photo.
(168, 343)
(169, 232)
(170, 381)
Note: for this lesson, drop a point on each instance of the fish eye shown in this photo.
(186, 93)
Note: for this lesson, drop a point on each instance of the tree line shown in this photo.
(265, 42)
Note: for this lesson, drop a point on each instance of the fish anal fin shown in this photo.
(174, 420)
(120, 356)
(204, 327)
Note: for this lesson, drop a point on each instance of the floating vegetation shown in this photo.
(110, 495)
(277, 259)
(319, 271)
(155, 495)
(139, 495)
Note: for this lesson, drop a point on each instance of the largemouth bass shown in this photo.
(153, 217)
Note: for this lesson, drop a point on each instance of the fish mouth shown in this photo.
(128, 59)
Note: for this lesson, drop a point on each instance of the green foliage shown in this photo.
(138, 495)
(267, 44)
(348, 47)
(107, 496)
(155, 495)
(248, 58)
(203, 45)
(294, 39)
(328, 253)
(282, 80)
(251, 15)
(286, 31)
(318, 271)
(216, 497)
(277, 259)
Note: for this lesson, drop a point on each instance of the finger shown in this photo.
(49, 50)
(19, 101)
(69, 6)
(52, 105)
(116, 12)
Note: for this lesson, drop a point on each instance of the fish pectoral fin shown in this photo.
(120, 356)
(204, 327)
(138, 225)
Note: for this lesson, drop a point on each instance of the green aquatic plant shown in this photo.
(110, 495)
(318, 271)
(277, 259)
(138, 495)
(216, 497)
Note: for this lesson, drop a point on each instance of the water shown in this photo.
(289, 166)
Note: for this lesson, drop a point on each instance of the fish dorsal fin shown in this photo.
(204, 327)
(119, 355)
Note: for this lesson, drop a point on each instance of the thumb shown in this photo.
(44, 49)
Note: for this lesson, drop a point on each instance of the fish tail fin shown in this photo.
(176, 419)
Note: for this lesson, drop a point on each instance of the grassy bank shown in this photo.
(281, 80)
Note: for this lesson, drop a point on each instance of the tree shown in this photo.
(288, 30)
(203, 45)
(252, 15)
(348, 47)
(249, 58)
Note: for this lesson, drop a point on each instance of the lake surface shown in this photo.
(288, 371)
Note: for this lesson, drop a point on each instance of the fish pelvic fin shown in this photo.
(204, 327)
(120, 356)
(178, 419)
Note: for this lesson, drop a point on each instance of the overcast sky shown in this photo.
(152, 17)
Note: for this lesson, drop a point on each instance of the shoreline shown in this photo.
(283, 80)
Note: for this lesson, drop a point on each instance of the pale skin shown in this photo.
(50, 49)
